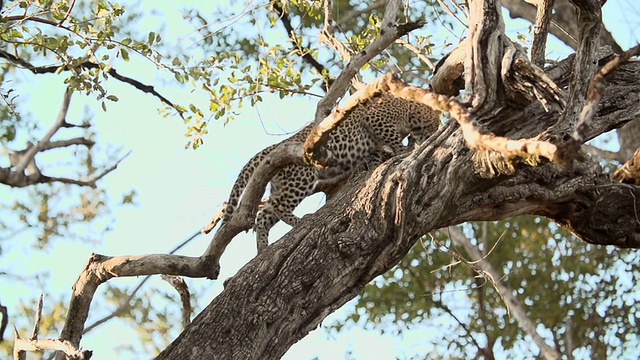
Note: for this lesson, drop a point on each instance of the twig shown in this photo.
(68, 13)
(418, 53)
(36, 323)
(69, 142)
(11, 178)
(149, 89)
(21, 346)
(415, 274)
(346, 17)
(304, 52)
(326, 35)
(452, 13)
(31, 152)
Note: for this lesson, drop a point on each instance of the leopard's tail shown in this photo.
(243, 179)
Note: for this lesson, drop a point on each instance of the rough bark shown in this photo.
(368, 226)
(287, 290)
(564, 26)
(373, 220)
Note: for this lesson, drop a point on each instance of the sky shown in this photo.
(178, 192)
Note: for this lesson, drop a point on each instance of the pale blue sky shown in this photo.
(178, 191)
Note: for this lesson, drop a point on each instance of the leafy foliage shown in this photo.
(582, 294)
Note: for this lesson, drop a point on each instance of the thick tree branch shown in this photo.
(368, 226)
(596, 91)
(584, 68)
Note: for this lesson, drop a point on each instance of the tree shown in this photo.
(592, 319)
(287, 290)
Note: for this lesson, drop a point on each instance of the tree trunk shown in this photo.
(372, 222)
(366, 228)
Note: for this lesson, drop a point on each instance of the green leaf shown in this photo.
(125, 54)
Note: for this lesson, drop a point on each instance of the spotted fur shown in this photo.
(372, 132)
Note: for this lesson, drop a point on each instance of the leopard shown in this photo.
(372, 132)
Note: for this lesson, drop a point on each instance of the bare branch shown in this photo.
(452, 13)
(326, 35)
(31, 152)
(601, 153)
(72, 3)
(181, 287)
(480, 264)
(348, 16)
(584, 68)
(562, 26)
(36, 324)
(21, 346)
(124, 304)
(149, 89)
(11, 178)
(100, 269)
(303, 52)
(543, 18)
(418, 53)
(69, 142)
(596, 91)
